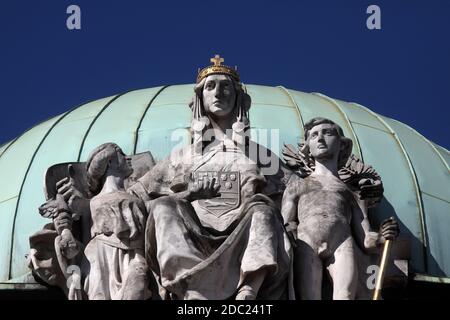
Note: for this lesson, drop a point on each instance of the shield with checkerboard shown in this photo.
(230, 191)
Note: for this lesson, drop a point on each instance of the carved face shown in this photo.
(122, 164)
(219, 95)
(324, 141)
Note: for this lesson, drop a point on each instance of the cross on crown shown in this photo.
(217, 68)
(217, 60)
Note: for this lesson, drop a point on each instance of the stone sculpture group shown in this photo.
(211, 221)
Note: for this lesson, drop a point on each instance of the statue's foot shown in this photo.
(246, 293)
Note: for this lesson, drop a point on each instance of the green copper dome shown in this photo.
(415, 172)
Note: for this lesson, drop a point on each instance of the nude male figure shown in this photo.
(332, 221)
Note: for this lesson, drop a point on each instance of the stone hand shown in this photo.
(204, 190)
(63, 221)
(52, 207)
(389, 229)
(74, 198)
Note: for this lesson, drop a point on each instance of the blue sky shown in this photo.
(401, 71)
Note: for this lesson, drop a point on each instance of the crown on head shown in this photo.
(217, 68)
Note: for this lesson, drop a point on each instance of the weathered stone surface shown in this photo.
(328, 217)
(212, 220)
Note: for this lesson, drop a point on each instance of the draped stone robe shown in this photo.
(197, 253)
(117, 267)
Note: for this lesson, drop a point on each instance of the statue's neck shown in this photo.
(112, 184)
(326, 167)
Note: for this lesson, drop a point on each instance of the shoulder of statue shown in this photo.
(295, 182)
(296, 159)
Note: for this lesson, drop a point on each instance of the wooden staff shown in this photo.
(382, 269)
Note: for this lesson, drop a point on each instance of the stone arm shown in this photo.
(368, 240)
(79, 207)
(160, 181)
(194, 191)
(74, 198)
(58, 209)
(289, 207)
(59, 241)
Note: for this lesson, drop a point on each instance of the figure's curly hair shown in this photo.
(98, 163)
(348, 143)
